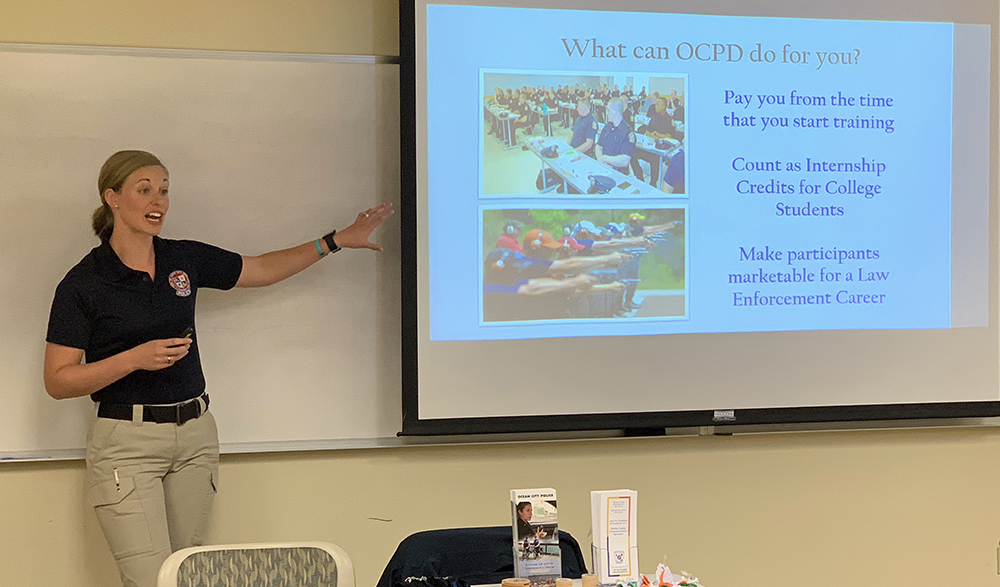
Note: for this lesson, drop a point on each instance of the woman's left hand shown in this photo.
(356, 235)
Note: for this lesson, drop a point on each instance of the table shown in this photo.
(579, 582)
(545, 117)
(502, 120)
(599, 109)
(567, 109)
(575, 169)
(645, 149)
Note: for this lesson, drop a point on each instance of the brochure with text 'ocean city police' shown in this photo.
(536, 536)
(615, 548)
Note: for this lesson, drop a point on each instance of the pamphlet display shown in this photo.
(536, 536)
(615, 548)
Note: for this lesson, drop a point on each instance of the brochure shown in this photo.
(615, 548)
(535, 531)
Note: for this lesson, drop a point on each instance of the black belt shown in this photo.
(175, 413)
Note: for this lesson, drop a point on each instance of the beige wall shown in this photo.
(896, 508)
(891, 508)
(351, 27)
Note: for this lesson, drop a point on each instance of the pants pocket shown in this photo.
(101, 431)
(119, 512)
(202, 528)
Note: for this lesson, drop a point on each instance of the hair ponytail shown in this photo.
(103, 222)
(114, 172)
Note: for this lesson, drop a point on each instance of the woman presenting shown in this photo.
(129, 308)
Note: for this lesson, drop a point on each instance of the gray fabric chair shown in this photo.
(289, 564)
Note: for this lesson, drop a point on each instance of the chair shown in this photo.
(478, 555)
(280, 564)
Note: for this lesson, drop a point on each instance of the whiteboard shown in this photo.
(265, 151)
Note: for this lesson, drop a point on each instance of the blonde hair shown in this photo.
(113, 174)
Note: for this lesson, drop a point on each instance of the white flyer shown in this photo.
(616, 551)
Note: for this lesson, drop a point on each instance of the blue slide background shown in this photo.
(909, 223)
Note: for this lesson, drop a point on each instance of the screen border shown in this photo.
(631, 422)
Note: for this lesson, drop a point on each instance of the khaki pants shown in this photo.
(152, 487)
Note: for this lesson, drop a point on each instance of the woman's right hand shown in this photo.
(160, 354)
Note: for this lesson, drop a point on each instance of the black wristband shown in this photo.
(328, 237)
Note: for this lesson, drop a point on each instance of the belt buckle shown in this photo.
(179, 416)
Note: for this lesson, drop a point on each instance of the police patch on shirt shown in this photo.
(180, 282)
(631, 137)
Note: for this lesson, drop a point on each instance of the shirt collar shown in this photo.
(112, 266)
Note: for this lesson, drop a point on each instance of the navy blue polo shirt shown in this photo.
(661, 123)
(679, 113)
(674, 175)
(104, 308)
(617, 140)
(584, 128)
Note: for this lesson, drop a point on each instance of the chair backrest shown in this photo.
(481, 556)
(279, 564)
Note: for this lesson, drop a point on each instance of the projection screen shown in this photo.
(640, 215)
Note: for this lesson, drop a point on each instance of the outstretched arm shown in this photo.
(580, 264)
(615, 287)
(547, 285)
(660, 228)
(276, 266)
(603, 247)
